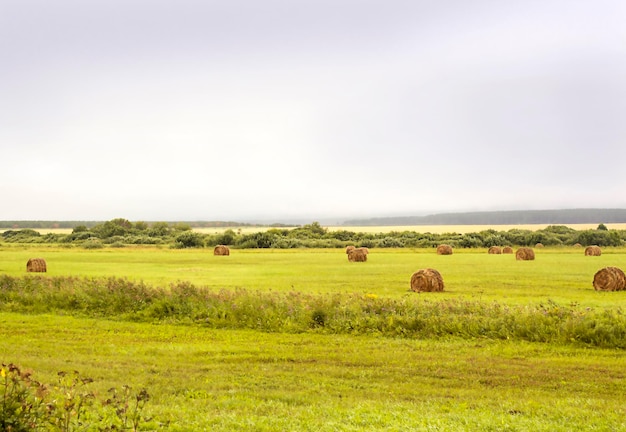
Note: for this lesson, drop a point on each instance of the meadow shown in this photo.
(353, 369)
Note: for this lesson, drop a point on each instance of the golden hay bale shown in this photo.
(539, 245)
(221, 250)
(444, 249)
(609, 279)
(428, 280)
(357, 255)
(507, 250)
(593, 251)
(365, 250)
(525, 254)
(36, 265)
(349, 248)
(495, 250)
(577, 245)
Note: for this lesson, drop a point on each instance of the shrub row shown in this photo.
(120, 232)
(295, 312)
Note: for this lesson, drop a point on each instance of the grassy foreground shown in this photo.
(227, 380)
(316, 378)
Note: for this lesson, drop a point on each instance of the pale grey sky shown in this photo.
(283, 109)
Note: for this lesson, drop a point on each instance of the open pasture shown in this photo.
(230, 380)
(202, 378)
(563, 275)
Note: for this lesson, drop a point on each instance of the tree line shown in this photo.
(122, 232)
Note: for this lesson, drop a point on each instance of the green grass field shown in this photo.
(563, 275)
(228, 379)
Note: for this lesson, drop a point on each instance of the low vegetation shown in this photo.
(296, 312)
(121, 232)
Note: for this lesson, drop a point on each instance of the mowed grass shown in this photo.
(226, 380)
(232, 380)
(563, 275)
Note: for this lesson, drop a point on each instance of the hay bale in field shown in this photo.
(221, 250)
(507, 250)
(525, 254)
(428, 280)
(539, 245)
(444, 249)
(609, 279)
(36, 265)
(577, 245)
(349, 248)
(357, 255)
(365, 250)
(593, 251)
(495, 250)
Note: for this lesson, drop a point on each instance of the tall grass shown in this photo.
(410, 316)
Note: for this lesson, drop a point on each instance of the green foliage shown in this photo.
(315, 236)
(189, 239)
(598, 237)
(159, 229)
(69, 405)
(261, 240)
(93, 243)
(390, 242)
(408, 316)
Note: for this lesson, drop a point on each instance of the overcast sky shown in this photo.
(281, 109)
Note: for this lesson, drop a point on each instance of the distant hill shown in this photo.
(514, 217)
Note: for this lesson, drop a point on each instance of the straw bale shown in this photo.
(221, 250)
(427, 279)
(539, 245)
(525, 254)
(507, 250)
(495, 250)
(593, 251)
(577, 245)
(365, 250)
(36, 265)
(444, 249)
(609, 279)
(349, 248)
(357, 255)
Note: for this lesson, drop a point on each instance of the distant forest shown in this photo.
(515, 217)
(40, 224)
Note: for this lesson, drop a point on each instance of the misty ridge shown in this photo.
(509, 217)
(512, 217)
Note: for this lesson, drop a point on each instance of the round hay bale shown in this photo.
(507, 250)
(525, 254)
(539, 245)
(495, 250)
(428, 280)
(609, 279)
(593, 251)
(221, 250)
(349, 248)
(577, 245)
(36, 265)
(357, 255)
(444, 249)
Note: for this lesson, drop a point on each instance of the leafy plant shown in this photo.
(69, 405)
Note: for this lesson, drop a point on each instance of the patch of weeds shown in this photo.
(68, 405)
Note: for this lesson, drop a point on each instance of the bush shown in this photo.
(93, 243)
(189, 239)
(69, 405)
(390, 242)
